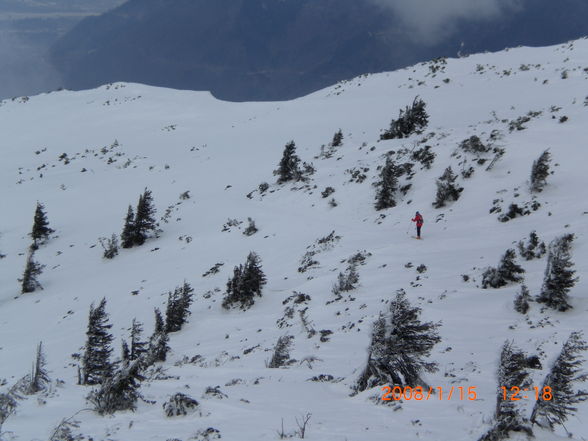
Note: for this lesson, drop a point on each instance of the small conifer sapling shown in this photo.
(41, 230)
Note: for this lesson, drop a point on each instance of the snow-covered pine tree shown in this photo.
(29, 282)
(179, 404)
(412, 120)
(337, 139)
(532, 248)
(281, 355)
(346, 281)
(557, 404)
(234, 290)
(8, 405)
(144, 218)
(399, 348)
(39, 377)
(540, 172)
(247, 282)
(387, 186)
(521, 301)
(137, 347)
(41, 230)
(96, 365)
(289, 166)
(178, 307)
(447, 190)
(127, 235)
(119, 391)
(158, 342)
(507, 271)
(512, 372)
(253, 276)
(473, 144)
(559, 277)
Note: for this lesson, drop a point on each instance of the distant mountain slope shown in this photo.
(87, 155)
(267, 50)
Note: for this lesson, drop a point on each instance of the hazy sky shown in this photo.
(429, 21)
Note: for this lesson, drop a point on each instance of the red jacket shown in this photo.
(419, 220)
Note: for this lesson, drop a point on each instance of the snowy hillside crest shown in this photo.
(268, 283)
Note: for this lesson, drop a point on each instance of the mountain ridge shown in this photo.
(176, 141)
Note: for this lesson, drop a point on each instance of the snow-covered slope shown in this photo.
(177, 141)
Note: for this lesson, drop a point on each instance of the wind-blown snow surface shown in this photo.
(174, 141)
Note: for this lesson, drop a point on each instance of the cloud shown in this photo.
(430, 21)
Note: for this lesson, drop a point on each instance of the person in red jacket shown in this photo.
(419, 223)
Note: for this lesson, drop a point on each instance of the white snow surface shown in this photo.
(180, 141)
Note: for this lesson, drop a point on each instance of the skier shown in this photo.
(419, 223)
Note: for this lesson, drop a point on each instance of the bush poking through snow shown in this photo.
(64, 431)
(327, 192)
(110, 246)
(540, 172)
(8, 405)
(521, 301)
(507, 271)
(119, 391)
(347, 280)
(532, 248)
(566, 370)
(215, 392)
(179, 405)
(209, 434)
(281, 355)
(263, 187)
(474, 145)
(411, 120)
(559, 277)
(399, 348)
(514, 211)
(246, 283)
(251, 229)
(425, 156)
(447, 190)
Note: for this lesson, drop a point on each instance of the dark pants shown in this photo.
(418, 230)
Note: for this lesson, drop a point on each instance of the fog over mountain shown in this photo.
(269, 49)
(431, 22)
